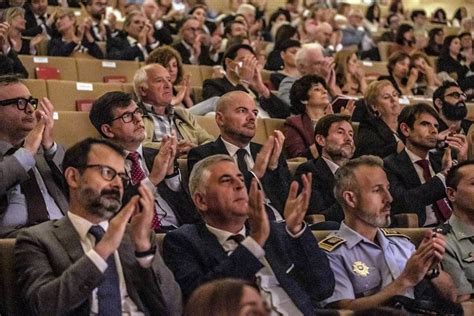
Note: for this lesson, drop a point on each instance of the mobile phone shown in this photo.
(341, 101)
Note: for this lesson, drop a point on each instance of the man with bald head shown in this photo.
(153, 87)
(236, 117)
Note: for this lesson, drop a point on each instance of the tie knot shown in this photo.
(237, 238)
(424, 163)
(241, 153)
(97, 231)
(134, 156)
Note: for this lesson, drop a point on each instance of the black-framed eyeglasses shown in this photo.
(127, 117)
(109, 173)
(21, 103)
(457, 95)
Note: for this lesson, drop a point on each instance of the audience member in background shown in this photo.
(427, 80)
(169, 58)
(450, 102)
(161, 29)
(329, 39)
(435, 41)
(396, 6)
(310, 101)
(459, 14)
(117, 9)
(236, 117)
(16, 18)
(377, 134)
(334, 139)
(310, 60)
(288, 50)
(254, 23)
(355, 33)
(291, 272)
(420, 31)
(30, 185)
(285, 33)
(117, 118)
(92, 261)
(373, 264)
(135, 42)
(153, 88)
(393, 22)
(226, 297)
(452, 61)
(277, 19)
(404, 40)
(439, 17)
(96, 11)
(417, 174)
(243, 73)
(466, 46)
(457, 260)
(234, 29)
(196, 47)
(37, 18)
(9, 61)
(350, 75)
(199, 12)
(373, 18)
(401, 75)
(72, 37)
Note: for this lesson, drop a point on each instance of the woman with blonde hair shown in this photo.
(15, 16)
(350, 76)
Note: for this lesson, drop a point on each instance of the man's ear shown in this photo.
(451, 194)
(219, 119)
(438, 104)
(405, 129)
(200, 202)
(72, 177)
(106, 130)
(350, 198)
(320, 140)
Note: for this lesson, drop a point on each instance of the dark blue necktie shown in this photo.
(108, 293)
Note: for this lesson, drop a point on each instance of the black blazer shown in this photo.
(409, 195)
(375, 138)
(204, 58)
(322, 196)
(32, 28)
(180, 202)
(120, 49)
(57, 47)
(276, 183)
(217, 87)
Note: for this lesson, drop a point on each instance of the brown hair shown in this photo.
(163, 55)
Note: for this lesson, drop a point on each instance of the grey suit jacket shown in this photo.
(57, 278)
(12, 173)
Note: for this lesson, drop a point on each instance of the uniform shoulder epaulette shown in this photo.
(388, 232)
(331, 242)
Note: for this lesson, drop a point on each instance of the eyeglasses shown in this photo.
(457, 95)
(109, 173)
(21, 103)
(127, 117)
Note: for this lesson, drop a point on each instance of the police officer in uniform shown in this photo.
(372, 264)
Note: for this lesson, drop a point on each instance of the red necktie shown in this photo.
(442, 206)
(137, 176)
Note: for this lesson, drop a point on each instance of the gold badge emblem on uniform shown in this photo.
(360, 268)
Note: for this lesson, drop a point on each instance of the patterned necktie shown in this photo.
(108, 292)
(441, 206)
(241, 161)
(138, 175)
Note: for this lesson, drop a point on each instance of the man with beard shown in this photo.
(37, 18)
(417, 174)
(96, 11)
(30, 177)
(118, 118)
(236, 117)
(334, 138)
(92, 261)
(372, 264)
(450, 102)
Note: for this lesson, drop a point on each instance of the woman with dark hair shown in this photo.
(288, 50)
(350, 76)
(277, 18)
(284, 33)
(310, 101)
(373, 18)
(396, 6)
(451, 60)
(439, 17)
(459, 14)
(435, 41)
(401, 75)
(226, 297)
(404, 40)
(377, 133)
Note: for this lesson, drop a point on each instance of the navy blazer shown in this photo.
(195, 256)
(375, 138)
(409, 195)
(276, 183)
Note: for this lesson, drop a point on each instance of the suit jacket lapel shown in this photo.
(407, 169)
(69, 238)
(210, 244)
(53, 189)
(324, 172)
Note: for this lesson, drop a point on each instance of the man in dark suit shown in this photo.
(196, 48)
(30, 181)
(118, 118)
(236, 117)
(417, 174)
(96, 11)
(282, 258)
(37, 18)
(91, 261)
(244, 74)
(334, 138)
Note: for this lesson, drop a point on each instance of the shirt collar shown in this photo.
(223, 235)
(413, 157)
(131, 40)
(139, 151)
(353, 238)
(460, 229)
(232, 149)
(83, 226)
(331, 164)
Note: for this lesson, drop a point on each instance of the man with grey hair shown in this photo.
(281, 258)
(153, 87)
(372, 264)
(310, 60)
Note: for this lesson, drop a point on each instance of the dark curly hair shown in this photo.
(299, 91)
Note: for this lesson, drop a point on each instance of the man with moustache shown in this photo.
(96, 11)
(450, 102)
(37, 18)
(30, 176)
(372, 264)
(97, 260)
(334, 139)
(118, 118)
